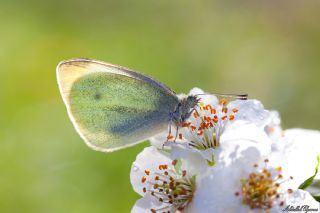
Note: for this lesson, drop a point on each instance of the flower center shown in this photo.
(262, 189)
(170, 187)
(208, 125)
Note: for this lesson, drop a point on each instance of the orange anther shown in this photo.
(185, 124)
(223, 101)
(231, 117)
(235, 110)
(163, 167)
(174, 162)
(143, 179)
(169, 137)
(193, 127)
(184, 173)
(147, 172)
(195, 114)
(200, 132)
(224, 109)
(224, 117)
(213, 111)
(279, 169)
(180, 136)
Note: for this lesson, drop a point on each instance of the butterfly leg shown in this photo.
(170, 126)
(169, 130)
(176, 134)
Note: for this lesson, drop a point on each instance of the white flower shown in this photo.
(246, 181)
(258, 167)
(299, 149)
(164, 185)
(273, 126)
(207, 128)
(212, 116)
(236, 138)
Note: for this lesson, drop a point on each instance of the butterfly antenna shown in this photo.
(236, 96)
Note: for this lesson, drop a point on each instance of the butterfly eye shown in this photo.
(192, 100)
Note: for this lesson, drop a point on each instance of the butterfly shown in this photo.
(113, 107)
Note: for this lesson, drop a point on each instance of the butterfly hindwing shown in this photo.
(112, 107)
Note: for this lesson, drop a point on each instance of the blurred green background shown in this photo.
(269, 49)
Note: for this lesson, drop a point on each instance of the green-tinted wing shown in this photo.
(112, 107)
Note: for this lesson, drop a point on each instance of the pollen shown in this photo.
(174, 162)
(173, 188)
(143, 179)
(208, 125)
(147, 172)
(185, 124)
(224, 109)
(262, 189)
(200, 132)
(169, 137)
(235, 110)
(223, 101)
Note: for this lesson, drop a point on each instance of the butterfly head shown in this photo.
(192, 101)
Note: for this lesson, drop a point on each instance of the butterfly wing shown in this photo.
(112, 107)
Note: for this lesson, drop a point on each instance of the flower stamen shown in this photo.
(262, 188)
(209, 124)
(170, 187)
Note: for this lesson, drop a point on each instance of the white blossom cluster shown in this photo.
(229, 157)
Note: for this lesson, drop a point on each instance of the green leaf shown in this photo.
(316, 197)
(309, 181)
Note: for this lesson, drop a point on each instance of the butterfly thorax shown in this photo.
(184, 109)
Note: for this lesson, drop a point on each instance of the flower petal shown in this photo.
(145, 204)
(299, 198)
(297, 151)
(148, 159)
(251, 111)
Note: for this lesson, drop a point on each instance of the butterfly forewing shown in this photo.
(112, 107)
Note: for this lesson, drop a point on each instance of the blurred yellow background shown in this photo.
(269, 49)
